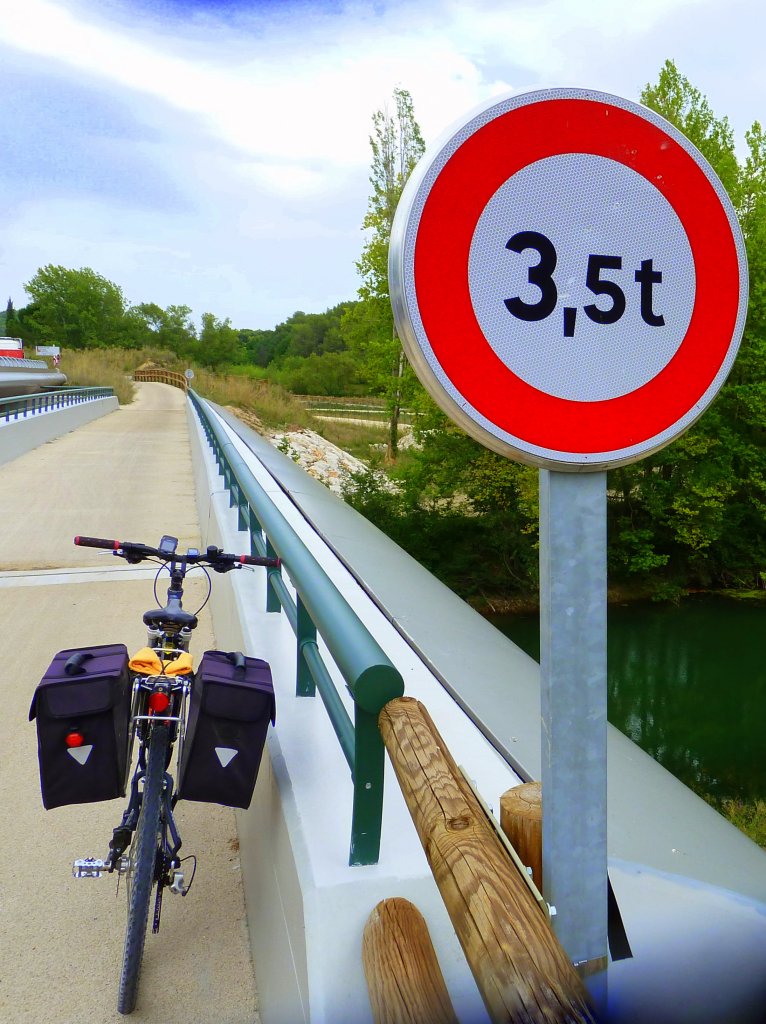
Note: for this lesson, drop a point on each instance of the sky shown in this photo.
(215, 153)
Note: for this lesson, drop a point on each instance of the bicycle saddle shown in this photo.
(175, 616)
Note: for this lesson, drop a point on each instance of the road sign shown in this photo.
(569, 279)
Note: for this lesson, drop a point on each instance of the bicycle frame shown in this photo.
(158, 713)
(169, 641)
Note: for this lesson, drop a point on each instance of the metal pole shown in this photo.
(573, 708)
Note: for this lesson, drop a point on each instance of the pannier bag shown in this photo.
(232, 703)
(82, 706)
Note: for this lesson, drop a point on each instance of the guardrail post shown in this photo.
(306, 633)
(273, 604)
(369, 764)
(243, 513)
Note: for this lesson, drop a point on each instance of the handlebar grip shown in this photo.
(74, 664)
(97, 542)
(237, 659)
(271, 563)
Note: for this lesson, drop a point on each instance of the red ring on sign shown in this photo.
(457, 198)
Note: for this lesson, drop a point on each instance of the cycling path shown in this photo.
(126, 475)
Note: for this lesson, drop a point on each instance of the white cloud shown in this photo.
(258, 127)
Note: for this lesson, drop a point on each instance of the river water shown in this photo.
(688, 685)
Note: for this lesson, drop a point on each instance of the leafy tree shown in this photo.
(10, 324)
(678, 101)
(331, 373)
(219, 343)
(302, 334)
(694, 513)
(170, 329)
(397, 145)
(76, 308)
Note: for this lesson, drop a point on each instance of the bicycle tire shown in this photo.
(143, 855)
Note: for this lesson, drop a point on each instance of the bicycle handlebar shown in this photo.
(96, 542)
(216, 558)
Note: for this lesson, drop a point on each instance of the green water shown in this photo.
(688, 685)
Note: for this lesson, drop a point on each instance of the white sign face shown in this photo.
(568, 278)
(47, 350)
(189, 374)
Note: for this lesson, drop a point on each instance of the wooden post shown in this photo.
(523, 974)
(521, 818)
(405, 983)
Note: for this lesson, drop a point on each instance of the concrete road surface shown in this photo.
(127, 475)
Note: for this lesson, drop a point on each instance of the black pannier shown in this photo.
(232, 703)
(82, 706)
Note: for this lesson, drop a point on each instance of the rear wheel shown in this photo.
(141, 870)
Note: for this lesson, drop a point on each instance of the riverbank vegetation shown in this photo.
(749, 816)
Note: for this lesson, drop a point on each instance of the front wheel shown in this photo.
(141, 870)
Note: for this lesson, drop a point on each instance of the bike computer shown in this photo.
(168, 545)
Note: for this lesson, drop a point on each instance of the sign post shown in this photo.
(569, 281)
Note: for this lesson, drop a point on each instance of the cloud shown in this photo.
(217, 154)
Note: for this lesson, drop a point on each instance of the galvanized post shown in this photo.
(256, 534)
(369, 765)
(243, 512)
(573, 707)
(273, 604)
(305, 633)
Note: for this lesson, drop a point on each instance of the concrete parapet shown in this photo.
(20, 436)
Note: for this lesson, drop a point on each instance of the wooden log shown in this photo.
(523, 974)
(405, 983)
(521, 818)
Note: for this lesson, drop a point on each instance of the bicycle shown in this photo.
(145, 846)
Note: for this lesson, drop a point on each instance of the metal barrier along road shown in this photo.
(371, 678)
(21, 406)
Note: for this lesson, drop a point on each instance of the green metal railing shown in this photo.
(370, 677)
(21, 406)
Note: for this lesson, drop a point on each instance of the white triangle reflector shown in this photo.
(80, 754)
(226, 755)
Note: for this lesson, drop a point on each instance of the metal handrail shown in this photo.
(371, 678)
(20, 406)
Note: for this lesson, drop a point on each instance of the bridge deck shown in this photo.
(127, 475)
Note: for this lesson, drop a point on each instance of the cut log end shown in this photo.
(404, 980)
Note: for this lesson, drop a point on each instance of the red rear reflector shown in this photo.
(158, 702)
(74, 739)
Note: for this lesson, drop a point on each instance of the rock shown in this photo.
(320, 458)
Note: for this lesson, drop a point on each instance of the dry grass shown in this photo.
(358, 439)
(97, 368)
(276, 408)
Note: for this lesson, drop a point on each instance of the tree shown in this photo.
(695, 510)
(76, 308)
(10, 326)
(219, 343)
(678, 101)
(331, 373)
(170, 328)
(397, 145)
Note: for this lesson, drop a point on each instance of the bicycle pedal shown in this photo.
(177, 886)
(88, 867)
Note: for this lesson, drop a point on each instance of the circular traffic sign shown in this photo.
(569, 279)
